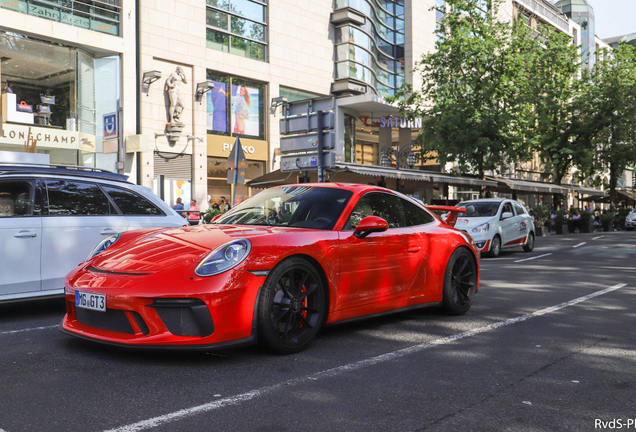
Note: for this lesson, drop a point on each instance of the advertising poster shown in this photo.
(217, 108)
(245, 110)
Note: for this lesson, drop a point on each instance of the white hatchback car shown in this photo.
(496, 224)
(52, 218)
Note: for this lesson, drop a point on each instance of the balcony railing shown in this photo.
(102, 16)
(547, 13)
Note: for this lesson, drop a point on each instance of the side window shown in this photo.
(507, 208)
(415, 215)
(519, 209)
(16, 198)
(384, 205)
(130, 203)
(77, 198)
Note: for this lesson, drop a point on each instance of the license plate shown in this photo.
(92, 301)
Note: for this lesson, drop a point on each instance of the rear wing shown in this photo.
(454, 211)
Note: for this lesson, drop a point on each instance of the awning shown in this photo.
(626, 194)
(347, 173)
(530, 186)
(584, 190)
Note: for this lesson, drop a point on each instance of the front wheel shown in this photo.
(495, 247)
(460, 281)
(291, 307)
(529, 244)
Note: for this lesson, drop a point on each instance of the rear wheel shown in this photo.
(292, 307)
(495, 247)
(530, 243)
(460, 281)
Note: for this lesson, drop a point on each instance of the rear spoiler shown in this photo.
(452, 217)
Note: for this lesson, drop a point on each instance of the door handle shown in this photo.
(23, 234)
(108, 231)
(415, 249)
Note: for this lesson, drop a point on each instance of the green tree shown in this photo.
(554, 130)
(608, 105)
(470, 98)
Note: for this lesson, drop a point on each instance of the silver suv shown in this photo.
(51, 217)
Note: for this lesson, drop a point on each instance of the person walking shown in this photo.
(193, 213)
(179, 206)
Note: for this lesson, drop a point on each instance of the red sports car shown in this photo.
(274, 270)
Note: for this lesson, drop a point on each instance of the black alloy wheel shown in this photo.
(291, 307)
(529, 244)
(460, 281)
(495, 247)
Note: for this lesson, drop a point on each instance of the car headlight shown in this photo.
(103, 245)
(224, 258)
(482, 228)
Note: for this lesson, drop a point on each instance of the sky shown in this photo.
(614, 17)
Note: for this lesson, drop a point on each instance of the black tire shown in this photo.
(495, 247)
(460, 280)
(292, 307)
(530, 243)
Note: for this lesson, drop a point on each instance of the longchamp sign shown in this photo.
(45, 137)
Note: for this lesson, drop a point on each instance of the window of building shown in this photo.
(238, 27)
(102, 16)
(236, 107)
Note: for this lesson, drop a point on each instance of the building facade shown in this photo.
(185, 80)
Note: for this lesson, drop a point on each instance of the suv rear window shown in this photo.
(130, 203)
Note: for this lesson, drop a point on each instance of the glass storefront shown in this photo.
(217, 179)
(49, 99)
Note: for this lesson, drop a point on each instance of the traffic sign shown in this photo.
(111, 126)
(236, 160)
(306, 123)
(306, 162)
(307, 142)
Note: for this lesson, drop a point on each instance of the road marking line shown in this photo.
(580, 244)
(26, 330)
(596, 238)
(234, 400)
(539, 256)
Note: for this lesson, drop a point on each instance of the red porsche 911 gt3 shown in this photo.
(274, 270)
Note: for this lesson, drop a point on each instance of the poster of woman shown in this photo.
(245, 103)
(217, 107)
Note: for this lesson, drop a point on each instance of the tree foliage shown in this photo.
(608, 114)
(470, 101)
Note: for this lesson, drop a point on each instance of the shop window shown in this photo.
(238, 27)
(236, 107)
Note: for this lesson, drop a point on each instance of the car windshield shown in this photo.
(480, 209)
(294, 206)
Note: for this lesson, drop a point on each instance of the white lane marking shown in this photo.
(580, 244)
(26, 330)
(539, 256)
(596, 238)
(234, 400)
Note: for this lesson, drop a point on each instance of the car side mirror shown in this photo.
(506, 215)
(370, 224)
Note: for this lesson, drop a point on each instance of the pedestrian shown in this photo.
(179, 206)
(224, 205)
(193, 213)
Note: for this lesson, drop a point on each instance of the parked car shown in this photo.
(273, 269)
(52, 217)
(630, 221)
(496, 224)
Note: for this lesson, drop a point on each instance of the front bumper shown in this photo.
(214, 312)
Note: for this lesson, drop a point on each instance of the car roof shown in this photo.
(68, 170)
(487, 200)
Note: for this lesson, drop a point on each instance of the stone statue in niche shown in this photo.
(176, 101)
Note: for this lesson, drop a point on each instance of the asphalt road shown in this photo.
(549, 345)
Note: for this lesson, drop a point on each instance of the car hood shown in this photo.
(466, 224)
(162, 249)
